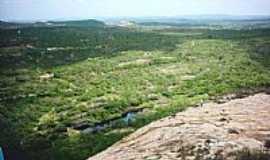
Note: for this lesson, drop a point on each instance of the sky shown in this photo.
(86, 9)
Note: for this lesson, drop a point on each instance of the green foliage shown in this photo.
(99, 74)
(51, 46)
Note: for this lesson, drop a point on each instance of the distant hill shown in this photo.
(79, 23)
(4, 24)
(225, 22)
(74, 23)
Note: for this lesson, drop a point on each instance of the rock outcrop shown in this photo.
(211, 131)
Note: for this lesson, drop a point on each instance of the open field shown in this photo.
(71, 92)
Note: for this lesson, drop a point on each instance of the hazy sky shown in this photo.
(55, 9)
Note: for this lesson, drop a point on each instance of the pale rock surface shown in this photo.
(207, 132)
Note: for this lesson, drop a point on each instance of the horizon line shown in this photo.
(203, 16)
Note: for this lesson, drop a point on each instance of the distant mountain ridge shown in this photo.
(80, 23)
(73, 23)
(223, 21)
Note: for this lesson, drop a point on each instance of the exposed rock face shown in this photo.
(208, 132)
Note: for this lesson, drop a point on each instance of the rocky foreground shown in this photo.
(211, 131)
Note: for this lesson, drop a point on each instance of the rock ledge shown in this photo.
(211, 131)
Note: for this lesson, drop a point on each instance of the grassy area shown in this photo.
(161, 77)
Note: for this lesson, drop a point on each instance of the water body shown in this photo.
(126, 118)
(129, 118)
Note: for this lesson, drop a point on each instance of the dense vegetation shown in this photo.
(47, 47)
(100, 74)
